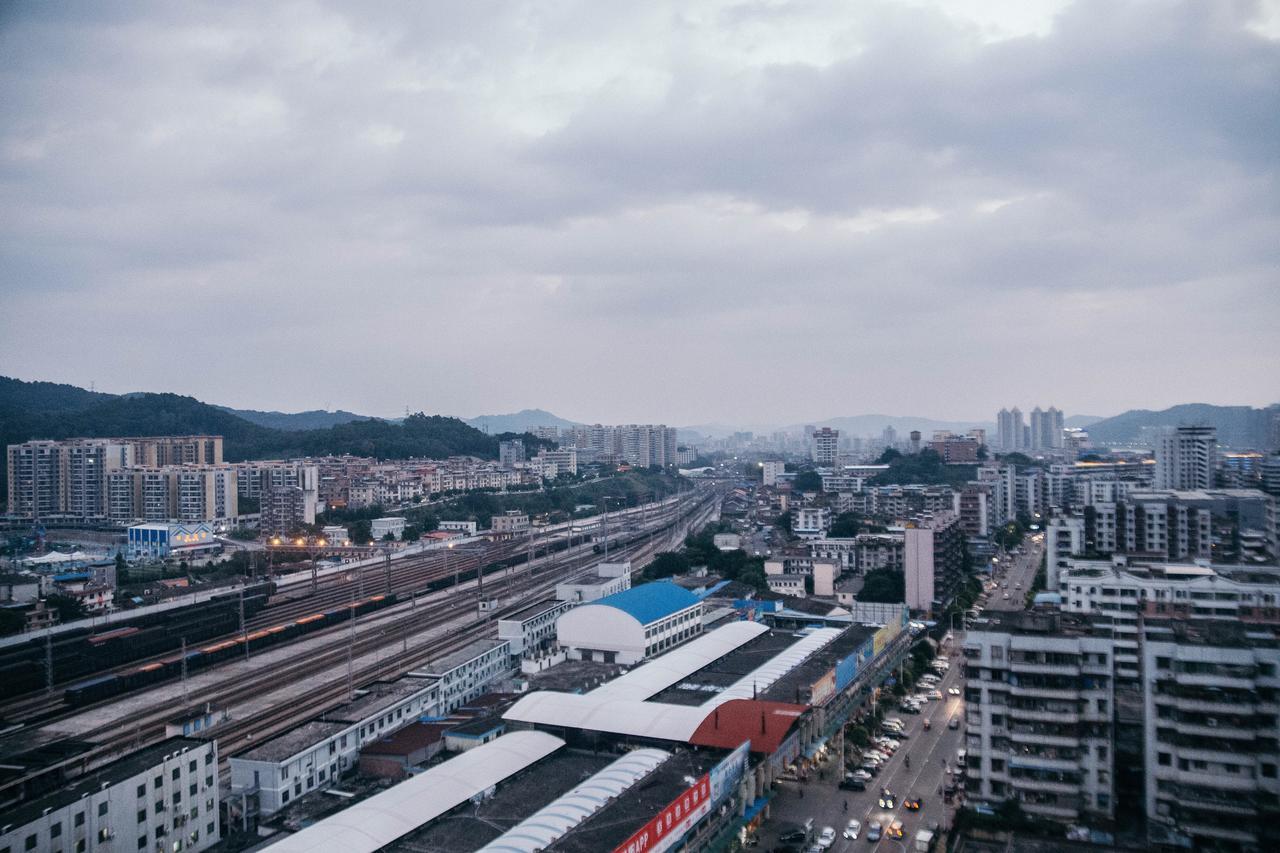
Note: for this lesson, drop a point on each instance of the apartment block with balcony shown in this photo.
(1212, 701)
(1039, 713)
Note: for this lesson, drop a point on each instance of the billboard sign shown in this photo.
(666, 829)
(727, 773)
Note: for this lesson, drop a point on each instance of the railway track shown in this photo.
(409, 576)
(117, 737)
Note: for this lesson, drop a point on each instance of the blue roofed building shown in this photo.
(630, 626)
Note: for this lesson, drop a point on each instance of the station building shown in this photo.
(631, 626)
(681, 750)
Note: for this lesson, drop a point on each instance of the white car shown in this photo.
(954, 691)
(935, 694)
(852, 830)
(827, 837)
(861, 776)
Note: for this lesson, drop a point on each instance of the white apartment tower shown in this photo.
(825, 445)
(1186, 458)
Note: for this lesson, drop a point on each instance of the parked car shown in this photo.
(935, 694)
(859, 775)
(793, 836)
(852, 784)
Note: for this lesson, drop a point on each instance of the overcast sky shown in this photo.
(683, 212)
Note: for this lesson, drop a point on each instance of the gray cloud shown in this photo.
(733, 211)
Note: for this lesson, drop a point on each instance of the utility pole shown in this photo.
(48, 659)
(606, 528)
(351, 646)
(387, 555)
(185, 696)
(243, 633)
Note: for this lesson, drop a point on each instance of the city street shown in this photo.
(929, 751)
(1019, 575)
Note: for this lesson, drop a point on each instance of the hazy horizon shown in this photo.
(715, 212)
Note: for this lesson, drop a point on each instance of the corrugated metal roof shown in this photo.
(545, 826)
(678, 664)
(587, 712)
(376, 822)
(649, 602)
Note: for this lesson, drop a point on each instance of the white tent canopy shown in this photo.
(376, 822)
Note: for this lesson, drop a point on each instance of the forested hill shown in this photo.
(32, 410)
(1237, 426)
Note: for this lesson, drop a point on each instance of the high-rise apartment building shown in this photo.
(826, 442)
(933, 561)
(70, 478)
(1039, 702)
(1186, 457)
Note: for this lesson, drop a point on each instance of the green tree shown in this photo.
(784, 521)
(11, 621)
(885, 585)
(411, 533)
(807, 481)
(67, 607)
(362, 531)
(667, 564)
(389, 537)
(845, 525)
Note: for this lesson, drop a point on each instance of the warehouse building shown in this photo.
(631, 626)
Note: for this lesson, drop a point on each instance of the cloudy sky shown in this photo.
(685, 212)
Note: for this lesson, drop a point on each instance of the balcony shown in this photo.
(1045, 785)
(1057, 811)
(1044, 716)
(1044, 692)
(1044, 738)
(1044, 668)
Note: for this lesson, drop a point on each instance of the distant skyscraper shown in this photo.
(1039, 429)
(889, 436)
(1057, 428)
(1017, 431)
(826, 442)
(510, 452)
(1186, 458)
(1004, 430)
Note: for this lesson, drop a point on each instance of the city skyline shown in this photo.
(467, 210)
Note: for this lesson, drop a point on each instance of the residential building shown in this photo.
(1064, 540)
(974, 505)
(159, 798)
(283, 511)
(510, 524)
(956, 450)
(565, 460)
(1212, 756)
(810, 521)
(1186, 458)
(933, 561)
(511, 452)
(1039, 703)
(773, 469)
(826, 445)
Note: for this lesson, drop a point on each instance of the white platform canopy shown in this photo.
(376, 822)
(660, 673)
(547, 825)
(592, 713)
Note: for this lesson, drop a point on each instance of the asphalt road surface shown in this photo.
(1019, 576)
(823, 801)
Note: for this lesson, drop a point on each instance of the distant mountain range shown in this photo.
(517, 421)
(297, 421)
(1237, 426)
(33, 410)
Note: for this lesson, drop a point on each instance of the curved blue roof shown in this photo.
(651, 601)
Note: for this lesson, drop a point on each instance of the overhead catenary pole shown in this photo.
(244, 634)
(48, 658)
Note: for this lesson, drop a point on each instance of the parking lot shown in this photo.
(930, 754)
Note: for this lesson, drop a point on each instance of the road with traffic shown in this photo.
(1015, 574)
(931, 753)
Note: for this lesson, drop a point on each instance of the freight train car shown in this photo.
(102, 687)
